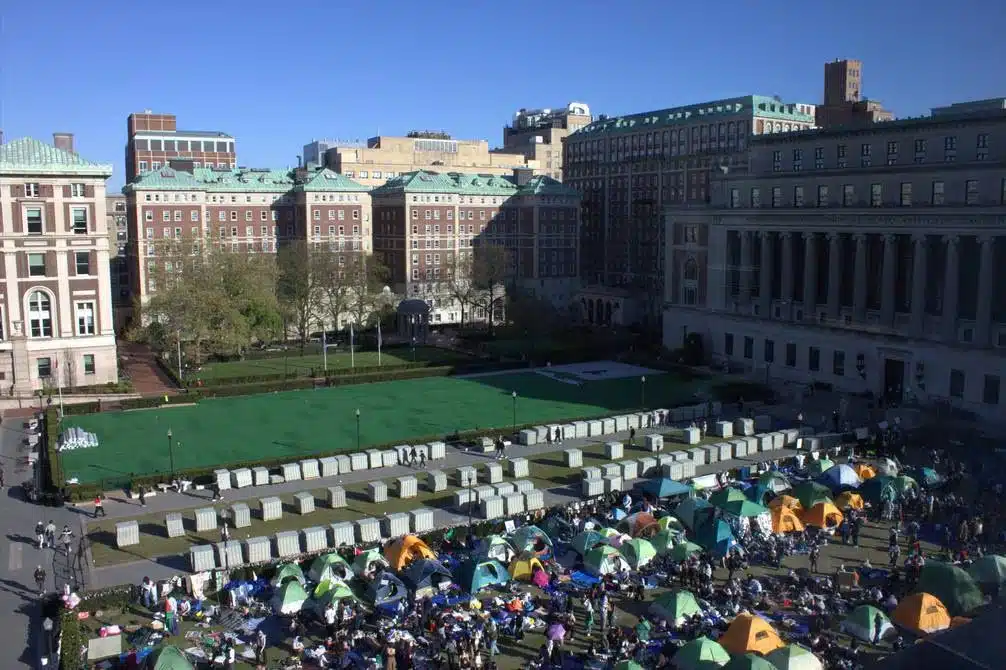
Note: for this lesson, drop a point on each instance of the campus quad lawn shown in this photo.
(294, 424)
(276, 363)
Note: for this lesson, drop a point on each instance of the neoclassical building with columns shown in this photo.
(869, 259)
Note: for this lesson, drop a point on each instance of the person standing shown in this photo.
(588, 619)
(143, 496)
(815, 554)
(50, 533)
(260, 646)
(878, 627)
(66, 537)
(1, 477)
(40, 534)
(40, 580)
(412, 455)
(422, 459)
(99, 506)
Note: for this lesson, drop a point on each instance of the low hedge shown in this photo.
(284, 376)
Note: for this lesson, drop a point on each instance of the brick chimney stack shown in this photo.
(63, 141)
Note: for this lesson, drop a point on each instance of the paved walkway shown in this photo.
(140, 368)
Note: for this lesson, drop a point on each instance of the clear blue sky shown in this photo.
(278, 74)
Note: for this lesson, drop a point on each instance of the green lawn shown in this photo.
(276, 363)
(294, 424)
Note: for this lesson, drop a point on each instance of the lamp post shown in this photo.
(358, 429)
(514, 396)
(642, 392)
(171, 453)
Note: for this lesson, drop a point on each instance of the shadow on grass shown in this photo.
(155, 529)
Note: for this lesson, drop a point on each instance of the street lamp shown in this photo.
(642, 392)
(171, 453)
(514, 395)
(357, 429)
(413, 349)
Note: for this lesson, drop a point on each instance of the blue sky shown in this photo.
(276, 75)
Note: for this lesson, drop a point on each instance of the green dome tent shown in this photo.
(665, 540)
(605, 560)
(774, 481)
(744, 508)
(952, 585)
(794, 657)
(700, 654)
(368, 561)
(684, 550)
(878, 489)
(289, 598)
(286, 572)
(495, 547)
(860, 623)
(528, 538)
(586, 541)
(167, 658)
(638, 552)
(628, 665)
(723, 496)
(749, 661)
(989, 572)
(473, 576)
(331, 592)
(818, 467)
(328, 567)
(810, 493)
(689, 509)
(675, 606)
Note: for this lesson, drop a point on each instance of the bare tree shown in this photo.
(298, 287)
(459, 285)
(365, 275)
(490, 269)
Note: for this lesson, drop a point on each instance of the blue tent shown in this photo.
(385, 589)
(690, 510)
(425, 574)
(758, 493)
(665, 488)
(473, 576)
(617, 513)
(716, 537)
(840, 478)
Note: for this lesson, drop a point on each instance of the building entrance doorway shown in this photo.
(894, 380)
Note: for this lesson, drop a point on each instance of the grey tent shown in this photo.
(425, 574)
(385, 589)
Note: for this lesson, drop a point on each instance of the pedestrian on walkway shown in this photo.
(143, 496)
(40, 534)
(413, 456)
(50, 534)
(422, 459)
(225, 533)
(216, 491)
(66, 537)
(1, 477)
(40, 580)
(815, 554)
(99, 507)
(632, 437)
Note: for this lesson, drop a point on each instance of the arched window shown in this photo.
(691, 270)
(39, 314)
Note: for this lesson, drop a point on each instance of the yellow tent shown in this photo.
(406, 549)
(849, 499)
(823, 515)
(921, 613)
(786, 501)
(748, 632)
(864, 471)
(785, 520)
(523, 567)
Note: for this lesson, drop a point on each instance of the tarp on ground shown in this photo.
(861, 623)
(495, 547)
(368, 562)
(385, 589)
(328, 567)
(425, 574)
(840, 478)
(167, 657)
(586, 541)
(289, 598)
(286, 572)
(473, 576)
(638, 552)
(605, 560)
(675, 606)
(921, 613)
(989, 572)
(749, 632)
(795, 657)
(665, 488)
(785, 520)
(716, 537)
(531, 538)
(952, 585)
(689, 508)
(406, 549)
(700, 654)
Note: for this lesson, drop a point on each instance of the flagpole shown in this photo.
(324, 350)
(378, 343)
(352, 352)
(59, 386)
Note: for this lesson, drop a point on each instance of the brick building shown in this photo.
(153, 140)
(844, 104)
(539, 134)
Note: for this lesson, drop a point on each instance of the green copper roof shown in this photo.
(28, 155)
(545, 185)
(423, 181)
(480, 184)
(419, 181)
(327, 180)
(746, 107)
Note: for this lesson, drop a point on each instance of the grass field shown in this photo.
(275, 363)
(293, 424)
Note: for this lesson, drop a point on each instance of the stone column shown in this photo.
(948, 317)
(986, 280)
(765, 278)
(809, 276)
(919, 285)
(889, 277)
(745, 268)
(834, 275)
(787, 267)
(859, 287)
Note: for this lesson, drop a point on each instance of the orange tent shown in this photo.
(849, 499)
(785, 520)
(406, 549)
(748, 632)
(786, 501)
(864, 471)
(921, 613)
(641, 524)
(823, 515)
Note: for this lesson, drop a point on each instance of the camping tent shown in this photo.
(887, 467)
(794, 657)
(952, 585)
(425, 575)
(810, 493)
(849, 500)
(926, 476)
(774, 481)
(385, 589)
(671, 523)
(903, 482)
(628, 665)
(524, 566)
(683, 550)
(878, 489)
(700, 654)
(784, 520)
(819, 467)
(368, 562)
(586, 541)
(638, 552)
(748, 662)
(744, 508)
(665, 488)
(495, 547)
(531, 538)
(725, 495)
(989, 572)
(822, 515)
(864, 471)
(286, 572)
(167, 657)
(665, 540)
(840, 477)
(328, 567)
(861, 623)
(675, 606)
(289, 598)
(748, 632)
(786, 501)
(716, 537)
(640, 524)
(331, 592)
(921, 613)
(406, 549)
(473, 576)
(605, 560)
(689, 509)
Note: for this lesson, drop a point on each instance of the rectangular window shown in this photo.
(34, 220)
(838, 363)
(791, 354)
(44, 367)
(143, 166)
(798, 196)
(31, 190)
(756, 197)
(938, 192)
(814, 359)
(906, 194)
(748, 347)
(36, 265)
(194, 215)
(876, 195)
(88, 364)
(990, 391)
(957, 380)
(848, 195)
(728, 344)
(822, 196)
(82, 262)
(769, 351)
(76, 190)
(971, 192)
(735, 198)
(85, 318)
(777, 196)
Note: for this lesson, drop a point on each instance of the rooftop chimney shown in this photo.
(63, 141)
(522, 175)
